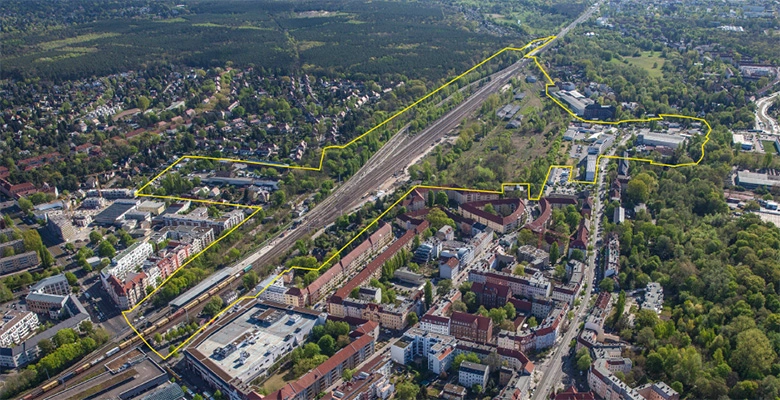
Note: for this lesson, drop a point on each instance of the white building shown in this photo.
(16, 326)
(129, 259)
(471, 374)
(274, 292)
(56, 284)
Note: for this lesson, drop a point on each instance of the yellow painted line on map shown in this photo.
(531, 55)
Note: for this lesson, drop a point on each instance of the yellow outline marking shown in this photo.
(550, 82)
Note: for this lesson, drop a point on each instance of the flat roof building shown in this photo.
(242, 346)
(753, 180)
(660, 139)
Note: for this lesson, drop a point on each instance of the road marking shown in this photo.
(541, 43)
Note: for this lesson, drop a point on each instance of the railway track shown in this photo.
(391, 158)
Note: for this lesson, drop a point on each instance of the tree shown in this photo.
(428, 294)
(327, 345)
(461, 358)
(490, 209)
(407, 390)
(637, 191)
(442, 199)
(250, 280)
(346, 376)
(278, 198)
(577, 254)
(438, 218)
(510, 311)
(526, 237)
(554, 253)
(607, 285)
(213, 307)
(532, 322)
(25, 204)
(620, 306)
(105, 249)
(46, 346)
(498, 315)
(444, 287)
(72, 280)
(459, 306)
(583, 363)
(754, 355)
(355, 293)
(158, 338)
(412, 318)
(143, 103)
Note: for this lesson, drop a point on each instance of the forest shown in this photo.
(718, 334)
(423, 40)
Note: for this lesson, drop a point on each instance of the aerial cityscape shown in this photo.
(361, 200)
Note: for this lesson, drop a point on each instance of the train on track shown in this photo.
(135, 338)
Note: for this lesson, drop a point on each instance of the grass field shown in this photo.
(275, 382)
(649, 62)
(769, 146)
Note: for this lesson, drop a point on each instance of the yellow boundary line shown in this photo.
(530, 55)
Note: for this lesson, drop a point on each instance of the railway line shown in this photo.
(388, 161)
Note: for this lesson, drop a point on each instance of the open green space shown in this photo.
(649, 61)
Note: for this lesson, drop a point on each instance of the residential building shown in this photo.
(19, 262)
(572, 394)
(449, 269)
(61, 227)
(471, 327)
(470, 374)
(536, 258)
(15, 356)
(55, 284)
(315, 381)
(612, 267)
(16, 327)
(491, 294)
(200, 217)
(275, 292)
(509, 213)
(465, 196)
(534, 287)
(435, 323)
(127, 260)
(658, 391)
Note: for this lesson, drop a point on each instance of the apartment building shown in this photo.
(16, 327)
(470, 374)
(471, 327)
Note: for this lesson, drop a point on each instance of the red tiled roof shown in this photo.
(307, 380)
(501, 289)
(372, 267)
(572, 394)
(476, 207)
(323, 279)
(116, 285)
(483, 323)
(581, 236)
